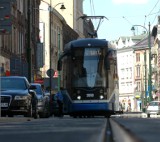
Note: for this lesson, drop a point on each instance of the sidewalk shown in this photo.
(132, 114)
(14, 119)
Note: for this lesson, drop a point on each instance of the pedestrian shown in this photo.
(59, 98)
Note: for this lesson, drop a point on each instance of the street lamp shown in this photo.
(150, 67)
(50, 35)
(59, 75)
(28, 41)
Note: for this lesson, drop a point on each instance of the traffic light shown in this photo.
(5, 17)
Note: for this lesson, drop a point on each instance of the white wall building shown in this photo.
(74, 9)
(125, 61)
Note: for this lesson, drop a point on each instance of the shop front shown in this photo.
(127, 103)
(4, 66)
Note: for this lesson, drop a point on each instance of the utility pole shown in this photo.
(145, 68)
(50, 45)
(29, 43)
(150, 66)
(59, 73)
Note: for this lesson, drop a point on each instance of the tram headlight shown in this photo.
(101, 97)
(78, 97)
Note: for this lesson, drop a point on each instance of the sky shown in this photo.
(122, 15)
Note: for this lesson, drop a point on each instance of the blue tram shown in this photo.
(89, 76)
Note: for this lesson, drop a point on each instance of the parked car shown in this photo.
(153, 108)
(17, 97)
(43, 101)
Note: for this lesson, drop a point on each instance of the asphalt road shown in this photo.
(67, 129)
(143, 129)
(53, 129)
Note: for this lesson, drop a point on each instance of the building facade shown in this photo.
(125, 61)
(19, 45)
(74, 10)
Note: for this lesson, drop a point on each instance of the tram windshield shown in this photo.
(88, 68)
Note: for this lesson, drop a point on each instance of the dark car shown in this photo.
(17, 97)
(43, 101)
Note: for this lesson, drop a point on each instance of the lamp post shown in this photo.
(29, 45)
(50, 54)
(50, 36)
(150, 67)
(59, 74)
(50, 71)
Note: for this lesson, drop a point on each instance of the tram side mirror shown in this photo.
(59, 66)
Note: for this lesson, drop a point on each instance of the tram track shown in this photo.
(118, 133)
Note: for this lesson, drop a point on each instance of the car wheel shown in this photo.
(29, 112)
(35, 115)
(47, 111)
(43, 114)
(10, 115)
(35, 112)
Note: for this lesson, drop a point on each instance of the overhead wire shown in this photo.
(150, 13)
(154, 7)
(93, 11)
(155, 17)
(127, 20)
(91, 7)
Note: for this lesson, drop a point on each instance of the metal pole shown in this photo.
(145, 77)
(59, 75)
(0, 97)
(150, 66)
(50, 32)
(29, 48)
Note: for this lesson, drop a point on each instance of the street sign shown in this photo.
(50, 72)
(55, 74)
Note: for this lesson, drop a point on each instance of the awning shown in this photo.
(137, 96)
(39, 81)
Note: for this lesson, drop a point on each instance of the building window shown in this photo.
(122, 73)
(138, 71)
(137, 57)
(127, 73)
(130, 73)
(138, 86)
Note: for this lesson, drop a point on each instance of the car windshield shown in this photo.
(13, 84)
